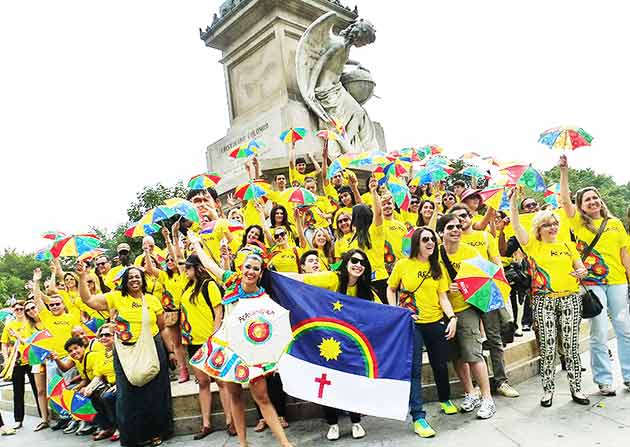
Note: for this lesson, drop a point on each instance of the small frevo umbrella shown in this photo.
(483, 284)
(258, 330)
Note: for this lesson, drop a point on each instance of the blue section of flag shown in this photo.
(388, 329)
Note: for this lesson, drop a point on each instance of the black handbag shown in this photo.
(591, 305)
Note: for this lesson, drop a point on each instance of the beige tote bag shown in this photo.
(140, 362)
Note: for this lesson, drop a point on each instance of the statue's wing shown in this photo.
(311, 47)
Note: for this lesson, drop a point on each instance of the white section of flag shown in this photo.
(385, 398)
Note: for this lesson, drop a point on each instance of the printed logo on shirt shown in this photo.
(135, 305)
(560, 253)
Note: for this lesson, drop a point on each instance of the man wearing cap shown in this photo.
(124, 251)
(472, 199)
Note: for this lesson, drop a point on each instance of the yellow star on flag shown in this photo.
(330, 348)
(337, 306)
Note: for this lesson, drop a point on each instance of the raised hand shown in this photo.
(37, 274)
(563, 163)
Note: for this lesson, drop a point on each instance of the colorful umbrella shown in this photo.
(430, 149)
(43, 254)
(184, 208)
(246, 149)
(259, 330)
(203, 181)
(483, 284)
(250, 191)
(37, 349)
(302, 196)
(53, 235)
(495, 197)
(328, 135)
(6, 314)
(565, 138)
(551, 195)
(93, 324)
(334, 168)
(55, 387)
(91, 254)
(137, 229)
(408, 154)
(75, 245)
(372, 158)
(430, 174)
(525, 175)
(400, 192)
(397, 168)
(79, 406)
(293, 135)
(474, 171)
(232, 227)
(406, 242)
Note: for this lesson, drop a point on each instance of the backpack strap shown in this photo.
(594, 242)
(206, 293)
(452, 273)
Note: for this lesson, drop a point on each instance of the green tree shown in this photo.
(15, 270)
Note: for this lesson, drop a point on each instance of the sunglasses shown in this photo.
(449, 198)
(355, 261)
(426, 239)
(279, 235)
(29, 309)
(18, 309)
(98, 264)
(55, 304)
(414, 203)
(550, 224)
(343, 220)
(106, 334)
(530, 205)
(462, 215)
(452, 227)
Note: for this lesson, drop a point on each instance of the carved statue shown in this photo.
(320, 60)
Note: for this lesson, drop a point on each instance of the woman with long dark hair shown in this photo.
(342, 224)
(279, 217)
(244, 285)
(253, 238)
(352, 278)
(143, 414)
(428, 213)
(421, 287)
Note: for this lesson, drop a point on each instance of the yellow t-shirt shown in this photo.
(463, 252)
(96, 346)
(71, 300)
(375, 254)
(213, 240)
(172, 290)
(286, 260)
(408, 217)
(483, 242)
(110, 278)
(89, 365)
(330, 281)
(604, 263)
(106, 368)
(129, 316)
(331, 192)
(251, 216)
(342, 245)
(294, 175)
(409, 274)
(22, 328)
(554, 263)
(197, 318)
(395, 231)
(60, 327)
(156, 254)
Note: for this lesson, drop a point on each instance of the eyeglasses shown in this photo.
(106, 334)
(279, 235)
(343, 220)
(550, 224)
(462, 215)
(448, 198)
(530, 205)
(355, 261)
(426, 239)
(21, 309)
(29, 309)
(414, 203)
(452, 227)
(98, 264)
(54, 304)
(90, 281)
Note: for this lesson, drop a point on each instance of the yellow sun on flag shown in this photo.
(330, 348)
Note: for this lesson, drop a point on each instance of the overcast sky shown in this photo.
(98, 99)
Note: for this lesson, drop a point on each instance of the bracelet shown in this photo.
(454, 316)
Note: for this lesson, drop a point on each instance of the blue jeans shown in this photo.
(615, 301)
(415, 398)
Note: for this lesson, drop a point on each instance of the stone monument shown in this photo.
(265, 89)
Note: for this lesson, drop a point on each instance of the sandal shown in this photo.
(103, 434)
(41, 426)
(115, 437)
(261, 426)
(156, 441)
(283, 422)
(231, 430)
(205, 431)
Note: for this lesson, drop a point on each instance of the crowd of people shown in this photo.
(346, 242)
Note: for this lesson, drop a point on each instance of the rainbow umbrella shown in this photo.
(371, 158)
(91, 254)
(400, 192)
(565, 138)
(138, 229)
(473, 171)
(406, 242)
(328, 135)
(53, 235)
(75, 245)
(93, 324)
(184, 208)
(525, 175)
(203, 181)
(79, 406)
(397, 168)
(483, 284)
(246, 149)
(495, 197)
(37, 349)
(334, 168)
(43, 254)
(380, 175)
(250, 191)
(302, 196)
(293, 135)
(232, 227)
(430, 174)
(430, 149)
(158, 214)
(551, 195)
(6, 314)
(55, 386)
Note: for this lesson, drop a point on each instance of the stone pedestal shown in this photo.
(258, 39)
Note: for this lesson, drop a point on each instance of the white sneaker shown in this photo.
(470, 402)
(487, 409)
(357, 431)
(607, 390)
(505, 389)
(333, 432)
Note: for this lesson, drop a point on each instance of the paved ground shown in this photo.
(519, 422)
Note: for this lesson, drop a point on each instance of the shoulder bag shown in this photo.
(140, 361)
(406, 297)
(591, 306)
